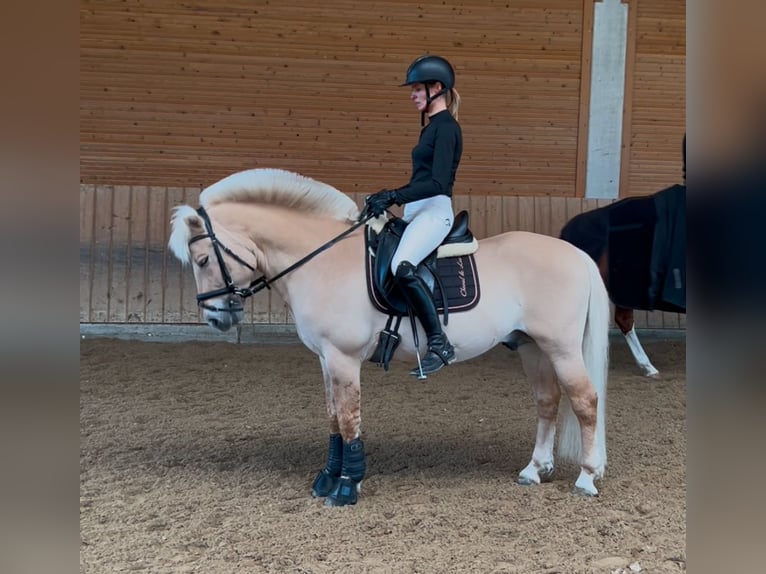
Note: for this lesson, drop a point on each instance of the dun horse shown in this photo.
(268, 228)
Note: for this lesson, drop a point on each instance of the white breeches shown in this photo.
(429, 221)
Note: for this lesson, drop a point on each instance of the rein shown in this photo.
(262, 282)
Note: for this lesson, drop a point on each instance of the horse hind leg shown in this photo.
(547, 393)
(579, 439)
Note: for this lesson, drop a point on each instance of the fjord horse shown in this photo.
(277, 229)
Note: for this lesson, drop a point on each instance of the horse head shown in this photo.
(223, 262)
(222, 251)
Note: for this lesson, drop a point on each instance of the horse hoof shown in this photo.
(523, 481)
(546, 475)
(579, 491)
(346, 492)
(324, 484)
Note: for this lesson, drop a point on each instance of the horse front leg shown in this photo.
(340, 481)
(325, 481)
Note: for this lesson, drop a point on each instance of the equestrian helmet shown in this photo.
(428, 69)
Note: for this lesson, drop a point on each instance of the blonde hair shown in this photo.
(453, 103)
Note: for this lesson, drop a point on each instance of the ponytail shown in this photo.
(454, 102)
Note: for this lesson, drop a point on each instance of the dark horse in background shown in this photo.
(639, 245)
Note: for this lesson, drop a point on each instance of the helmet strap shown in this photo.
(429, 100)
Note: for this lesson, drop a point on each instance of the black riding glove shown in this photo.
(377, 203)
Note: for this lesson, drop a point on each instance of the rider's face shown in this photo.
(418, 94)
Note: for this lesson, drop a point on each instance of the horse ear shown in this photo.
(195, 224)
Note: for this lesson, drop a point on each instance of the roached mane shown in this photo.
(281, 187)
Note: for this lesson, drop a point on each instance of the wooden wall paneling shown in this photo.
(321, 103)
(174, 274)
(87, 208)
(494, 216)
(654, 320)
(278, 310)
(542, 215)
(669, 320)
(102, 245)
(604, 202)
(189, 309)
(641, 319)
(137, 255)
(526, 214)
(477, 209)
(261, 307)
(589, 204)
(157, 235)
(248, 307)
(510, 213)
(118, 258)
(658, 104)
(572, 207)
(558, 215)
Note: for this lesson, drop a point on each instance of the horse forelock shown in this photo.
(180, 233)
(284, 188)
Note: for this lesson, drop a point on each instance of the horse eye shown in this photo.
(203, 261)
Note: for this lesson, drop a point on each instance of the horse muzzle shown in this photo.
(225, 314)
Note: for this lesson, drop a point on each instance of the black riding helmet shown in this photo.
(429, 69)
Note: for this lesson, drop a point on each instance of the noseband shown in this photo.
(259, 283)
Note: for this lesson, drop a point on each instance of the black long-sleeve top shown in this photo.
(435, 159)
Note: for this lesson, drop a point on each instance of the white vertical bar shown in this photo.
(607, 98)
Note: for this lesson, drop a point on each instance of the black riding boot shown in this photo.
(440, 351)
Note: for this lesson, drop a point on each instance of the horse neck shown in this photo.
(282, 236)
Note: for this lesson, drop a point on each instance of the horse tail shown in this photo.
(595, 350)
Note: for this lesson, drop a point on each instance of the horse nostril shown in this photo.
(213, 322)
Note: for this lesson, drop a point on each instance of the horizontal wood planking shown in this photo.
(127, 274)
(183, 96)
(658, 108)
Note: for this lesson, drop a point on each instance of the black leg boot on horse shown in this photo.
(440, 352)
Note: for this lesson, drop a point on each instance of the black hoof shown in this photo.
(344, 493)
(324, 484)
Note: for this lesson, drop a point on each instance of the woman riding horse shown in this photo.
(427, 198)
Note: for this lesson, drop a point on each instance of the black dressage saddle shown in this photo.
(449, 272)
